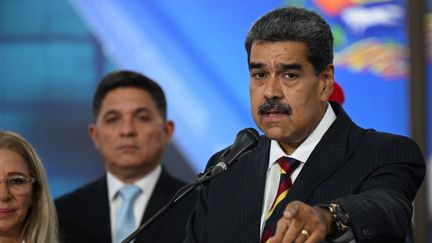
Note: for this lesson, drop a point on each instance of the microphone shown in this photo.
(246, 140)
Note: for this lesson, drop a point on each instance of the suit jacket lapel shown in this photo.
(254, 167)
(158, 199)
(99, 222)
(329, 155)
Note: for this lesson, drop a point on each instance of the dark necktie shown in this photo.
(287, 166)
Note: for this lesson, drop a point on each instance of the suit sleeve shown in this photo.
(197, 223)
(196, 229)
(381, 211)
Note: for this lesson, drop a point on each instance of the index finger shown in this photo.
(281, 229)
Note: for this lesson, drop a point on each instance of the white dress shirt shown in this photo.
(302, 153)
(147, 185)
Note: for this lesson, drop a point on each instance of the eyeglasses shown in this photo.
(18, 185)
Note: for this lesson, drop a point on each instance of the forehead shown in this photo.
(12, 162)
(274, 52)
(127, 98)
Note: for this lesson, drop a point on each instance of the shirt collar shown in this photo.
(145, 184)
(305, 149)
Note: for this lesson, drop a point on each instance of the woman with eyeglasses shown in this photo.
(27, 212)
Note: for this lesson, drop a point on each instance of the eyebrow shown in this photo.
(142, 110)
(17, 173)
(110, 112)
(136, 111)
(281, 66)
(295, 66)
(254, 65)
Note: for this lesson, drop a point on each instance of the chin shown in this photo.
(7, 227)
(130, 164)
(274, 133)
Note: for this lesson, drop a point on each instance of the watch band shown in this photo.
(341, 219)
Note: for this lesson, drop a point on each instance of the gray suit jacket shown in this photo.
(373, 176)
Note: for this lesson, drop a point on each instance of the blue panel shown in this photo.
(30, 79)
(49, 65)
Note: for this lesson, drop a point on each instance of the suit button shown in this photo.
(367, 233)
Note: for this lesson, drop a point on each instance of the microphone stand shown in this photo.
(204, 177)
(246, 140)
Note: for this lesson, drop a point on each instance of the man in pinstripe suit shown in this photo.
(352, 185)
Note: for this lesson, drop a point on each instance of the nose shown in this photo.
(128, 128)
(273, 89)
(4, 191)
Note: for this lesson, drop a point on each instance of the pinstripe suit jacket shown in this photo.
(84, 215)
(373, 176)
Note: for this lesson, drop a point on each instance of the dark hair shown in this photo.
(122, 79)
(295, 24)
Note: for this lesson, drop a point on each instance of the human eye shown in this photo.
(17, 181)
(290, 75)
(258, 75)
(143, 117)
(111, 119)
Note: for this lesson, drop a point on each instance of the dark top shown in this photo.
(374, 176)
(84, 215)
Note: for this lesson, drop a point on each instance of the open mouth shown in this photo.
(276, 107)
(274, 112)
(273, 115)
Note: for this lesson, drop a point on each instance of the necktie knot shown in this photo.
(129, 192)
(288, 164)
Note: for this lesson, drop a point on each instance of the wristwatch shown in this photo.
(341, 219)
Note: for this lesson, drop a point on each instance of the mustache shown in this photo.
(274, 105)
